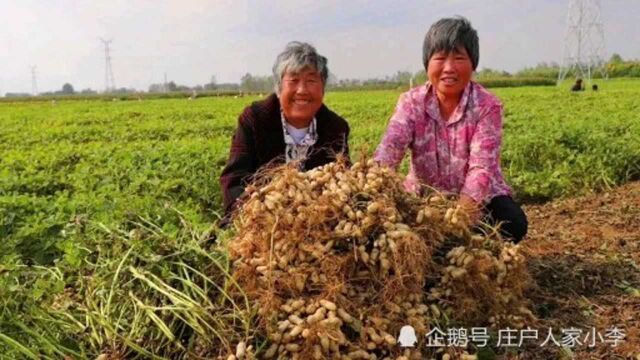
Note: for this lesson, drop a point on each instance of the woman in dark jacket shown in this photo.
(292, 125)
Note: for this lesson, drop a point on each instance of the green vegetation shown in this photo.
(119, 96)
(515, 82)
(102, 204)
(624, 69)
(561, 144)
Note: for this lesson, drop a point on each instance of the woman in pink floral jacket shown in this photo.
(453, 128)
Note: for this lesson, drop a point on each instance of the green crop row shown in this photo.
(103, 161)
(516, 82)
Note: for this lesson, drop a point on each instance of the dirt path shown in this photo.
(585, 261)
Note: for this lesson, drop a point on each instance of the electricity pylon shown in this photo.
(584, 41)
(109, 80)
(34, 82)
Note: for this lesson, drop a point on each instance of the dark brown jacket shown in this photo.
(259, 140)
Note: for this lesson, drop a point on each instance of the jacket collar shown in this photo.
(433, 108)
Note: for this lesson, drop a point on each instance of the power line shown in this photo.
(109, 80)
(584, 40)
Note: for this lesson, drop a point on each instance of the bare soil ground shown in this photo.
(584, 257)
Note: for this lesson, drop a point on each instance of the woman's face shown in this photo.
(301, 95)
(450, 72)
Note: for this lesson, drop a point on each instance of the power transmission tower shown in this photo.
(584, 41)
(34, 82)
(109, 80)
(165, 87)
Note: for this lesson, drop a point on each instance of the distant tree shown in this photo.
(419, 77)
(246, 82)
(212, 84)
(124, 90)
(171, 86)
(628, 68)
(10, 94)
(156, 88)
(332, 79)
(228, 87)
(616, 59)
(88, 91)
(67, 89)
(401, 77)
(542, 70)
(487, 73)
(251, 83)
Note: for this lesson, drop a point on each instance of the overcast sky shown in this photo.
(191, 40)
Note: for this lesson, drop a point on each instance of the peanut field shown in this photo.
(105, 206)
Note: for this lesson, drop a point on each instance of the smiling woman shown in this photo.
(292, 125)
(301, 96)
(454, 128)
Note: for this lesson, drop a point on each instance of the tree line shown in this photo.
(614, 68)
(250, 83)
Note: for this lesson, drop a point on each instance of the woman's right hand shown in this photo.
(471, 208)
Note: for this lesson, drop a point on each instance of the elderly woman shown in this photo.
(453, 127)
(291, 125)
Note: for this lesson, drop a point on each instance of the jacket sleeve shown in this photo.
(241, 165)
(484, 155)
(399, 135)
(345, 146)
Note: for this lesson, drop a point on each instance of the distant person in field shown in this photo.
(453, 129)
(578, 85)
(291, 125)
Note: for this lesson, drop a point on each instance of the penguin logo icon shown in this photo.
(407, 336)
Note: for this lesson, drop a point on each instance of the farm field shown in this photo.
(584, 255)
(75, 176)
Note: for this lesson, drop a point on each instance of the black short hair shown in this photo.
(448, 34)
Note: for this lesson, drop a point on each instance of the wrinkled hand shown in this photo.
(471, 208)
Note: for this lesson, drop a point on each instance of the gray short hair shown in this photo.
(448, 34)
(296, 57)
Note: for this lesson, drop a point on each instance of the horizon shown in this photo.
(191, 41)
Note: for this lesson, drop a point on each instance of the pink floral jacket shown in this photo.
(461, 155)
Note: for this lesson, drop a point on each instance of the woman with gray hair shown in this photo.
(292, 125)
(454, 129)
